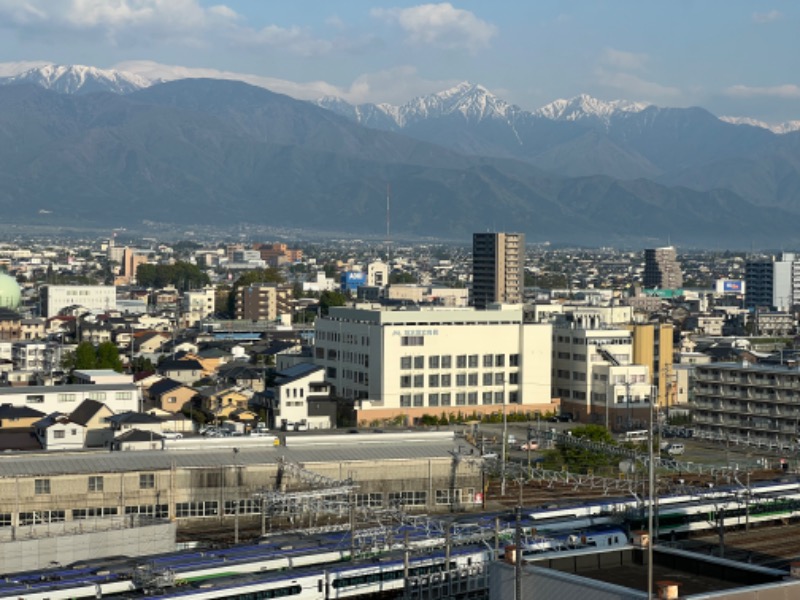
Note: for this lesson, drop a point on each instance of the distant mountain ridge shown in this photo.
(222, 152)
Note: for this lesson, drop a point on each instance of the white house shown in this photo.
(58, 432)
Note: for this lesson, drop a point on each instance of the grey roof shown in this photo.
(296, 372)
(41, 389)
(101, 461)
(12, 411)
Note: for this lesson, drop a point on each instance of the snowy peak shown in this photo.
(586, 107)
(79, 79)
(780, 128)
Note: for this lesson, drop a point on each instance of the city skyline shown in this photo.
(733, 58)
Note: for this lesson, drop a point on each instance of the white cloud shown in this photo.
(440, 25)
(788, 90)
(393, 85)
(626, 61)
(767, 17)
(637, 88)
(9, 69)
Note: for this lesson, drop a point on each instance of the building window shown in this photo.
(433, 399)
(445, 399)
(461, 399)
(405, 381)
(42, 516)
(513, 397)
(196, 509)
(34, 399)
(95, 484)
(405, 400)
(499, 360)
(472, 398)
(447, 362)
(487, 397)
(405, 362)
(472, 379)
(408, 498)
(59, 434)
(461, 361)
(419, 400)
(433, 362)
(66, 397)
(446, 380)
(499, 379)
(87, 513)
(124, 395)
(100, 396)
(461, 379)
(473, 361)
(373, 500)
(412, 340)
(433, 381)
(41, 486)
(148, 510)
(487, 379)
(419, 362)
(419, 381)
(513, 378)
(488, 360)
(513, 360)
(5, 519)
(147, 481)
(498, 397)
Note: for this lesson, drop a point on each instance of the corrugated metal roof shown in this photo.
(88, 462)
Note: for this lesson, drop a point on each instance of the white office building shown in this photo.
(417, 361)
(120, 397)
(97, 298)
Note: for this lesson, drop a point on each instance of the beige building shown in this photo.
(263, 302)
(498, 268)
(653, 347)
(419, 361)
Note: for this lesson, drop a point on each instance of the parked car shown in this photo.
(171, 435)
(531, 445)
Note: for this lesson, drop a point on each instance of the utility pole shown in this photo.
(518, 554)
(652, 506)
(505, 443)
(236, 500)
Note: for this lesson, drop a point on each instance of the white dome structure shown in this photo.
(10, 294)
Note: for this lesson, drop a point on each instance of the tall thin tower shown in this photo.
(388, 225)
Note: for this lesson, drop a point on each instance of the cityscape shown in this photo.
(434, 301)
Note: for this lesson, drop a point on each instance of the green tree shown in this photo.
(108, 357)
(581, 460)
(402, 277)
(331, 298)
(85, 356)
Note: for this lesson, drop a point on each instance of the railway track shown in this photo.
(771, 546)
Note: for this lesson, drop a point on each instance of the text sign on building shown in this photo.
(405, 332)
(732, 286)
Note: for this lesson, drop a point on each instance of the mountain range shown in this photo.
(223, 152)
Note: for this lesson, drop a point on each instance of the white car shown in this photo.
(171, 435)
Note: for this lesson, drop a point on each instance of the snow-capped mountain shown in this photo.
(585, 107)
(79, 79)
(472, 102)
(780, 128)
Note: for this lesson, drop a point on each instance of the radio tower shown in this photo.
(388, 230)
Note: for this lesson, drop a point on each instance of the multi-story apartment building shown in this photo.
(97, 298)
(744, 403)
(772, 283)
(595, 375)
(498, 268)
(197, 305)
(418, 361)
(120, 397)
(653, 347)
(661, 269)
(263, 301)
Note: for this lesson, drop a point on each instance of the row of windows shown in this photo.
(461, 399)
(345, 338)
(463, 361)
(462, 380)
(40, 517)
(72, 397)
(147, 481)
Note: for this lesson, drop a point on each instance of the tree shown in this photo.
(331, 298)
(402, 277)
(108, 357)
(580, 459)
(85, 356)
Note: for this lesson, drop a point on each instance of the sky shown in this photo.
(732, 57)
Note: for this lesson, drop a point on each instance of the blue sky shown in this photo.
(733, 57)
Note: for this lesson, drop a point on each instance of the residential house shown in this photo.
(94, 416)
(58, 432)
(170, 395)
(185, 371)
(136, 439)
(18, 417)
(301, 398)
(129, 421)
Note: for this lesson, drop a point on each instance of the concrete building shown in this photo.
(596, 377)
(65, 398)
(498, 268)
(378, 274)
(748, 404)
(97, 298)
(772, 283)
(263, 301)
(661, 269)
(653, 347)
(419, 361)
(197, 305)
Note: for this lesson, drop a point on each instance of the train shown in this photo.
(589, 525)
(323, 582)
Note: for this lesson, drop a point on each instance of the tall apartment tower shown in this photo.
(772, 283)
(498, 268)
(661, 269)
